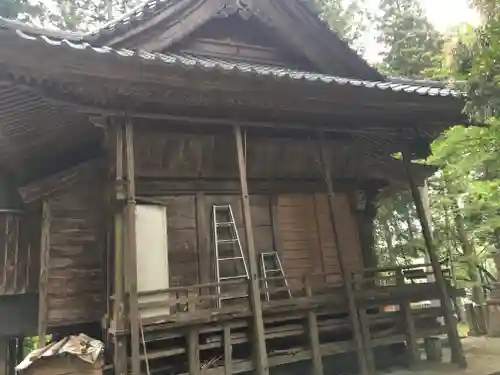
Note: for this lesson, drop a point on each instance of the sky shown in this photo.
(444, 14)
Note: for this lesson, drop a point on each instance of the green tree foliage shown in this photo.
(465, 193)
(412, 44)
(350, 19)
(71, 15)
(23, 10)
(84, 15)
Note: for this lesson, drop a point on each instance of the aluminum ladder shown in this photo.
(228, 252)
(275, 270)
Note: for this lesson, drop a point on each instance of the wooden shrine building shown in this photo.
(115, 147)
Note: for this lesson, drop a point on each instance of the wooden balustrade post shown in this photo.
(405, 307)
(191, 302)
(451, 323)
(312, 324)
(260, 355)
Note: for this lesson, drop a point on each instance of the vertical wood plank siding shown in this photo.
(76, 290)
(308, 239)
(19, 263)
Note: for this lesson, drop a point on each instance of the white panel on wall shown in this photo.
(152, 256)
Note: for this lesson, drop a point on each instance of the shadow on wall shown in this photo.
(19, 315)
(346, 364)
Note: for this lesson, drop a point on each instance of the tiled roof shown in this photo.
(194, 62)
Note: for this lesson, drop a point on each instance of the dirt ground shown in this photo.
(483, 357)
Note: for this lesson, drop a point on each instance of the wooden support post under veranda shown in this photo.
(366, 361)
(451, 323)
(259, 345)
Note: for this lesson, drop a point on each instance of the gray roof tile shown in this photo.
(430, 88)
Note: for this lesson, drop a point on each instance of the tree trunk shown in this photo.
(470, 255)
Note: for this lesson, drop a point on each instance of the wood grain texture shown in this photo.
(184, 155)
(308, 238)
(43, 292)
(15, 263)
(76, 270)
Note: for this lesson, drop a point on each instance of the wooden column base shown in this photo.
(433, 349)
(494, 319)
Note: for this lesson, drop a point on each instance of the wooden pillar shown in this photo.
(203, 241)
(4, 355)
(44, 275)
(365, 220)
(261, 361)
(451, 323)
(12, 356)
(228, 351)
(411, 332)
(193, 351)
(118, 326)
(20, 349)
(433, 349)
(130, 253)
(365, 366)
(312, 323)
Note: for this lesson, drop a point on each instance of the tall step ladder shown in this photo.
(271, 266)
(230, 263)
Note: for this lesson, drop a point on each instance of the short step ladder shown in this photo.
(228, 251)
(271, 267)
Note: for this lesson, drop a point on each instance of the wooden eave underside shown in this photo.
(311, 39)
(45, 104)
(41, 137)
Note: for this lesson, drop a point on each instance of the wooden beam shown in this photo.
(118, 326)
(131, 254)
(44, 275)
(312, 323)
(361, 351)
(157, 187)
(261, 360)
(56, 182)
(451, 323)
(185, 25)
(390, 128)
(160, 17)
(228, 350)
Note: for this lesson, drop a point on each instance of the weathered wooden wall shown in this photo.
(161, 155)
(296, 225)
(307, 235)
(234, 39)
(301, 232)
(19, 244)
(76, 267)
